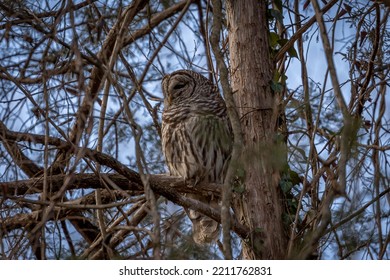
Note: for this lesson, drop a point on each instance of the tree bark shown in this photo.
(251, 74)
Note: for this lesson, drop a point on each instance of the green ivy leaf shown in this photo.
(292, 52)
(294, 177)
(273, 39)
(282, 41)
(276, 86)
(278, 4)
(276, 15)
(286, 186)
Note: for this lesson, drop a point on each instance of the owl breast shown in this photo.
(198, 148)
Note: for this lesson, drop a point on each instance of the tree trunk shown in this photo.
(251, 74)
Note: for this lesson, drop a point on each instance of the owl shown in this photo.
(196, 140)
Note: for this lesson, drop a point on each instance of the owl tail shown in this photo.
(204, 229)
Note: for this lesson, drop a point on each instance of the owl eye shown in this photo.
(179, 86)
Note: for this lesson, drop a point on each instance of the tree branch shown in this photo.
(21, 160)
(109, 50)
(167, 186)
(302, 30)
(154, 21)
(235, 123)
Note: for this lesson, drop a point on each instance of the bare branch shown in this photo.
(297, 34)
(235, 122)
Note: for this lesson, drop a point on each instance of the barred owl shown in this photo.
(196, 140)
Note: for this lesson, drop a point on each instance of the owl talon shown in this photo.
(190, 183)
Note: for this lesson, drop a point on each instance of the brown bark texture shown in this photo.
(251, 74)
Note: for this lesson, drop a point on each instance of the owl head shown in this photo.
(182, 86)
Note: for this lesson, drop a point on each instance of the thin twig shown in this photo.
(299, 32)
(347, 132)
(235, 123)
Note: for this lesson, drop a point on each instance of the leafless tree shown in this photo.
(82, 175)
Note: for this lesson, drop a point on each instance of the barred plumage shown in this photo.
(196, 139)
